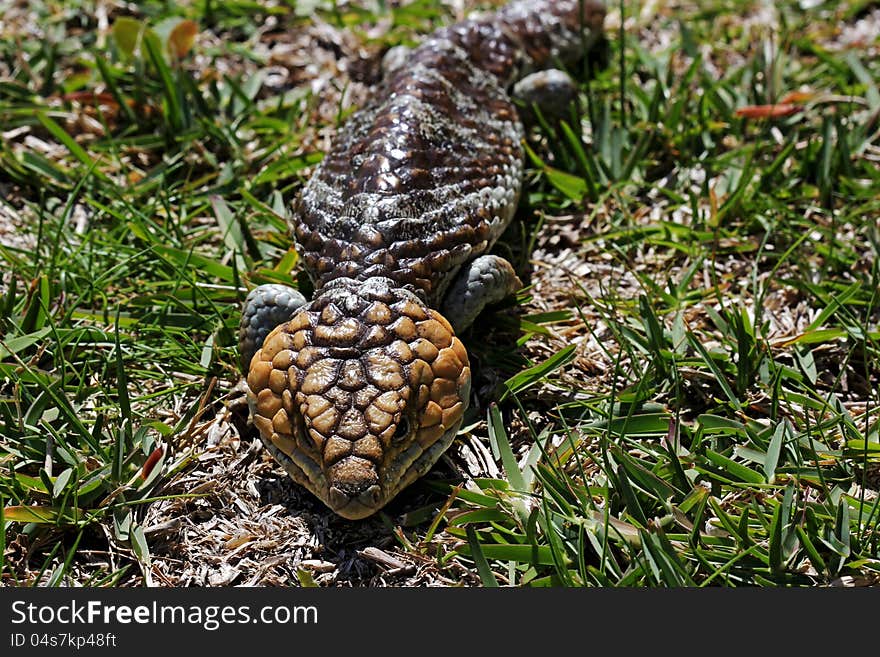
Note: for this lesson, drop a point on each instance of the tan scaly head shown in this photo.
(360, 393)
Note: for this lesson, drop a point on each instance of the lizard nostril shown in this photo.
(402, 430)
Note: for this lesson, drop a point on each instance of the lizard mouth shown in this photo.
(359, 393)
(354, 487)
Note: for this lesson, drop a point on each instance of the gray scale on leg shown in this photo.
(551, 90)
(266, 307)
(484, 281)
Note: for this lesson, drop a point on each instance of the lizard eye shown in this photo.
(402, 430)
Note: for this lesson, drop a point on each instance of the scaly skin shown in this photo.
(364, 388)
(360, 393)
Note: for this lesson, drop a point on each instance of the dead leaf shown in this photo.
(182, 38)
(151, 462)
(796, 97)
(768, 111)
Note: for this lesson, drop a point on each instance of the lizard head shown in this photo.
(359, 393)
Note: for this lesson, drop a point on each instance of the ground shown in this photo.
(686, 393)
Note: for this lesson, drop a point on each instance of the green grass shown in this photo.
(728, 434)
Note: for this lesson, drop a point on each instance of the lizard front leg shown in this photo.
(483, 281)
(551, 90)
(266, 307)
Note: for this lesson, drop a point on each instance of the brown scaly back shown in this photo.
(427, 175)
(421, 180)
(523, 37)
